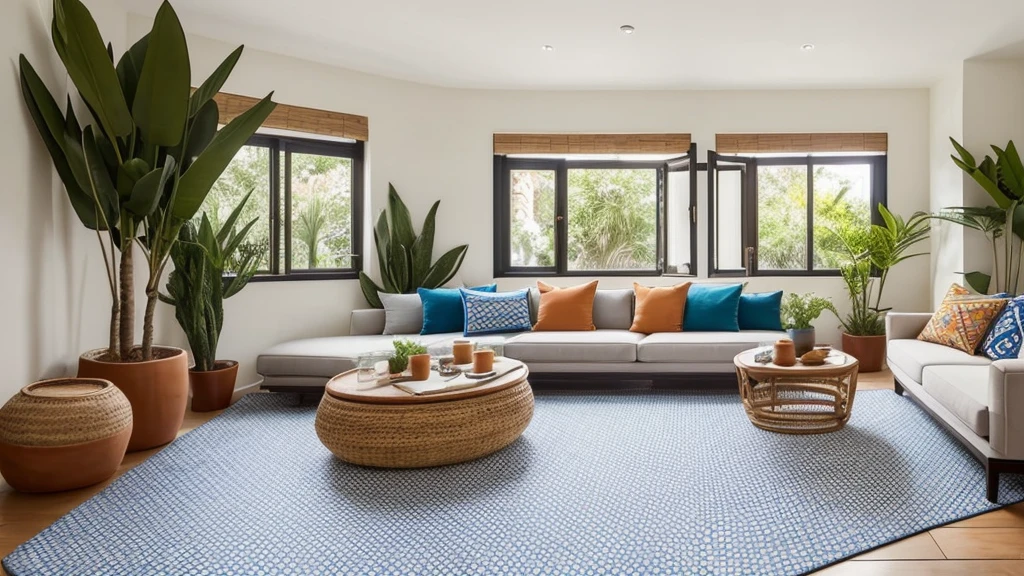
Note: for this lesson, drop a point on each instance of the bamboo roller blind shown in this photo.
(591, 143)
(297, 118)
(825, 142)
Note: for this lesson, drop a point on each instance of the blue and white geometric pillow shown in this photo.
(493, 313)
(1006, 335)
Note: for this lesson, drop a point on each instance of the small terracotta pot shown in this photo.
(785, 353)
(419, 365)
(212, 389)
(63, 434)
(157, 390)
(868, 350)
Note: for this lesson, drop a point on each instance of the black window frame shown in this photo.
(749, 226)
(503, 167)
(281, 148)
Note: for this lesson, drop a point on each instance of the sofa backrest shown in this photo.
(368, 322)
(613, 309)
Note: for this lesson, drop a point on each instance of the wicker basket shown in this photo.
(63, 434)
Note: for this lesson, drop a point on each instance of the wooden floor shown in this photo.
(991, 544)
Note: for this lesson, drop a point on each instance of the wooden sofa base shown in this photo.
(993, 466)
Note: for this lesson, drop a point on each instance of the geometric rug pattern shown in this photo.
(605, 483)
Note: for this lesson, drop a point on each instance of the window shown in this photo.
(593, 215)
(774, 215)
(307, 198)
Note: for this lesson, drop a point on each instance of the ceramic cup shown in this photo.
(462, 350)
(483, 361)
(419, 365)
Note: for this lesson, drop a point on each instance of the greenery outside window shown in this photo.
(307, 195)
(773, 215)
(595, 216)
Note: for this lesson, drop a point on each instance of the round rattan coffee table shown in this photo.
(798, 399)
(382, 426)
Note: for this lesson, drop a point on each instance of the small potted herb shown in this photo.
(403, 350)
(798, 312)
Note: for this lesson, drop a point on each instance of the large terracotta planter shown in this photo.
(212, 389)
(63, 434)
(157, 390)
(868, 350)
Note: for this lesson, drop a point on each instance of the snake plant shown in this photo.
(404, 259)
(148, 154)
(199, 283)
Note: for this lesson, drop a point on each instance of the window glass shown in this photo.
(782, 217)
(532, 213)
(612, 219)
(729, 220)
(248, 171)
(678, 231)
(321, 211)
(842, 201)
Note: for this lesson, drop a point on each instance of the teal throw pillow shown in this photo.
(761, 311)
(712, 308)
(442, 308)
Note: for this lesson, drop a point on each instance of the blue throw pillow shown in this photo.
(1004, 338)
(488, 313)
(442, 308)
(712, 308)
(761, 311)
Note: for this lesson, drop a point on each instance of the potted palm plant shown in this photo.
(799, 311)
(135, 176)
(868, 257)
(209, 266)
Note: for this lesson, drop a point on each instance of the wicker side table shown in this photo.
(385, 427)
(797, 399)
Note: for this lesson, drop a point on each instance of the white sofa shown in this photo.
(611, 352)
(978, 400)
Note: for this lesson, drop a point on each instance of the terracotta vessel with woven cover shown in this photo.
(63, 434)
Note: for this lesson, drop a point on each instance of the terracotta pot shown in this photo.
(784, 353)
(63, 434)
(212, 389)
(868, 350)
(157, 390)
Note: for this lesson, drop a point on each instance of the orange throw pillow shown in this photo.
(569, 309)
(659, 309)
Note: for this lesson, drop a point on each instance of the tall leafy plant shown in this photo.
(403, 257)
(139, 170)
(200, 280)
(799, 311)
(1003, 224)
(875, 250)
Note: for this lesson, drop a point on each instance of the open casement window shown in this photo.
(587, 215)
(777, 214)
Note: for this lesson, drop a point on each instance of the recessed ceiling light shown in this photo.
(547, 47)
(807, 47)
(627, 29)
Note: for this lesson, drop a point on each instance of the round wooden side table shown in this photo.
(383, 426)
(798, 399)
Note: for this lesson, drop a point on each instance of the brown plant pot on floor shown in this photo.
(212, 389)
(868, 350)
(63, 434)
(157, 390)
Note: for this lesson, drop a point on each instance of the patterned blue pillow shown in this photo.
(488, 313)
(1007, 333)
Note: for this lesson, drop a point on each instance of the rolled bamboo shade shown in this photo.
(591, 143)
(823, 142)
(298, 118)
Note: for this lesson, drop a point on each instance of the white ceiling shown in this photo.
(681, 44)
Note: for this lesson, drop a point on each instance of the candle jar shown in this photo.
(419, 365)
(483, 361)
(785, 353)
(462, 350)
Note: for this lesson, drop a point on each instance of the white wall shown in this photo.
(947, 181)
(53, 298)
(435, 143)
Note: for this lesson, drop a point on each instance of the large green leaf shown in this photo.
(398, 263)
(80, 46)
(423, 248)
(978, 281)
(382, 240)
(228, 226)
(446, 267)
(160, 107)
(965, 156)
(129, 68)
(401, 221)
(203, 129)
(95, 183)
(128, 174)
(149, 189)
(370, 291)
(209, 88)
(196, 182)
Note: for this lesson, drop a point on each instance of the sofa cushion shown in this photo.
(442, 308)
(701, 346)
(912, 356)
(713, 308)
(1007, 332)
(324, 357)
(659, 309)
(761, 311)
(498, 313)
(594, 346)
(403, 313)
(963, 390)
(613, 309)
(962, 320)
(566, 308)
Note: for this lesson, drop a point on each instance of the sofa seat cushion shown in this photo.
(912, 356)
(327, 357)
(963, 390)
(592, 346)
(701, 346)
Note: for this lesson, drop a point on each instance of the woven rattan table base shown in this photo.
(421, 435)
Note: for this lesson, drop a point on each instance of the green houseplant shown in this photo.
(403, 350)
(799, 311)
(403, 257)
(1002, 224)
(209, 266)
(135, 173)
(866, 254)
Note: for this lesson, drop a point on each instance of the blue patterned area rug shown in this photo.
(639, 483)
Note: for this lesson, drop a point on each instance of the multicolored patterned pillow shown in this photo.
(1007, 333)
(494, 313)
(962, 319)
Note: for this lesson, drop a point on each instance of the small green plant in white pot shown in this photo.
(799, 311)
